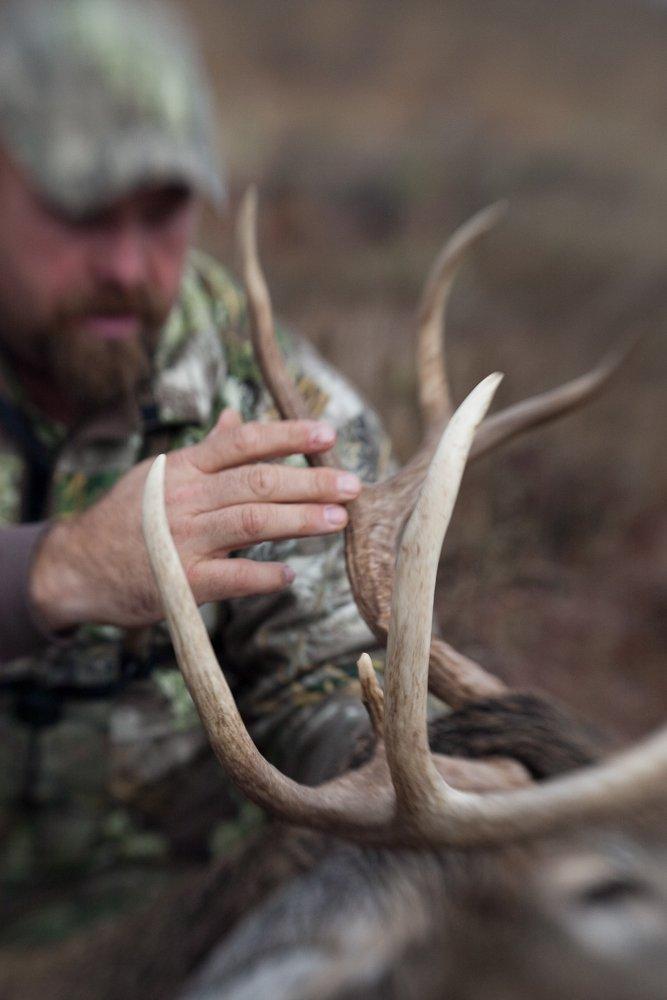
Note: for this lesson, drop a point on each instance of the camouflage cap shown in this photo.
(101, 97)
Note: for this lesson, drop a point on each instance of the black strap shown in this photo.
(38, 460)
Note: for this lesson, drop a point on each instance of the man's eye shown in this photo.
(163, 208)
(89, 220)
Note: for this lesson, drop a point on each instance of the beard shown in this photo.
(92, 371)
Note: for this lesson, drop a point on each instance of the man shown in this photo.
(117, 341)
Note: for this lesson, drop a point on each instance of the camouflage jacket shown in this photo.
(277, 650)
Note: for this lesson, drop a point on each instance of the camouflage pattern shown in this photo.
(108, 713)
(99, 97)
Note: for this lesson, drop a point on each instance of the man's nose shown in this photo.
(120, 257)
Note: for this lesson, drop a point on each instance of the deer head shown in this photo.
(405, 795)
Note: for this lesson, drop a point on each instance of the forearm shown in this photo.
(21, 629)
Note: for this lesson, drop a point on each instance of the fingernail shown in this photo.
(288, 574)
(348, 484)
(335, 515)
(322, 434)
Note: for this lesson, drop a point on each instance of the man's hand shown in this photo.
(221, 496)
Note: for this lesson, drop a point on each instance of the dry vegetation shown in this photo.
(374, 128)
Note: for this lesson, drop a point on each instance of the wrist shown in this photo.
(58, 590)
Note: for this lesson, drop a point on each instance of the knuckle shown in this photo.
(249, 438)
(236, 440)
(263, 481)
(185, 497)
(253, 521)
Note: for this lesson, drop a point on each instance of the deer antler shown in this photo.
(378, 516)
(405, 795)
(418, 805)
(433, 383)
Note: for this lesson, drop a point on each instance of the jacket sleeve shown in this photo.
(20, 631)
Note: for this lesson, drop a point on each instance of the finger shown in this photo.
(220, 579)
(278, 484)
(228, 419)
(225, 447)
(246, 524)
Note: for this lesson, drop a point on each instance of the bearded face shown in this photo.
(99, 347)
(82, 301)
(94, 349)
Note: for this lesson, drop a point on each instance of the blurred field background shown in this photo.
(373, 129)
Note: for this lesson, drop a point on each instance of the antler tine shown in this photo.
(262, 326)
(427, 804)
(408, 646)
(372, 694)
(435, 401)
(548, 406)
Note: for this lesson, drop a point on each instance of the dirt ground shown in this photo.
(373, 129)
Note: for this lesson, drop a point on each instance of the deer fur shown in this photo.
(302, 915)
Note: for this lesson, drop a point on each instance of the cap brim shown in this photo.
(105, 172)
